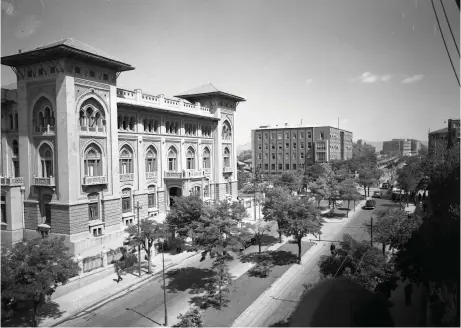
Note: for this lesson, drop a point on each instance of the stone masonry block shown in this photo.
(31, 215)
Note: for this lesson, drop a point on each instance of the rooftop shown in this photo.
(207, 89)
(63, 48)
(444, 130)
(282, 127)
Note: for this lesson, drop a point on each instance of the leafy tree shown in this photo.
(319, 188)
(243, 177)
(366, 179)
(289, 180)
(315, 171)
(244, 155)
(275, 207)
(257, 230)
(303, 218)
(149, 231)
(358, 261)
(409, 178)
(192, 318)
(32, 271)
(185, 216)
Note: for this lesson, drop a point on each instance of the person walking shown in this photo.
(408, 291)
(333, 249)
(119, 275)
(419, 197)
(424, 195)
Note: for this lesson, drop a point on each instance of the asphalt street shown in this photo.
(310, 275)
(144, 307)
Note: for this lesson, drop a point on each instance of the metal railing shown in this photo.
(96, 180)
(9, 181)
(50, 181)
(126, 177)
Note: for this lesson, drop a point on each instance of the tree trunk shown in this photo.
(36, 306)
(368, 191)
(354, 205)
(279, 231)
(299, 251)
(348, 203)
(384, 249)
(148, 251)
(259, 244)
(318, 203)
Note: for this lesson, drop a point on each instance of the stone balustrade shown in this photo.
(173, 174)
(10, 181)
(151, 175)
(50, 181)
(126, 177)
(97, 180)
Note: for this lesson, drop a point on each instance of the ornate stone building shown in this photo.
(79, 153)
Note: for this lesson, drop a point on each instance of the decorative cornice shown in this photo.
(91, 83)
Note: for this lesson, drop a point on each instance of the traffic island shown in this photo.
(246, 289)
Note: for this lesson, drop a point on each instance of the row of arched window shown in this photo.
(150, 125)
(190, 129)
(206, 131)
(172, 127)
(92, 117)
(226, 131)
(126, 123)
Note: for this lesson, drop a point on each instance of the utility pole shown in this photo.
(254, 198)
(139, 246)
(371, 232)
(163, 273)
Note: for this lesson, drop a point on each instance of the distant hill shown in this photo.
(241, 148)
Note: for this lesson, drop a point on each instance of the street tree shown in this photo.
(32, 270)
(192, 318)
(185, 216)
(409, 178)
(366, 179)
(303, 219)
(257, 230)
(319, 189)
(290, 180)
(148, 232)
(275, 207)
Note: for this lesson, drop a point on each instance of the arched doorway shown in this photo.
(174, 192)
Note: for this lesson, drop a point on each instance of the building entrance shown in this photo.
(174, 192)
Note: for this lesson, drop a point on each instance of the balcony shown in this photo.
(47, 182)
(89, 181)
(126, 177)
(228, 169)
(11, 182)
(173, 175)
(151, 175)
(44, 129)
(185, 174)
(194, 173)
(93, 129)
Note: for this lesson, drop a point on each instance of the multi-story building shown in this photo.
(401, 147)
(280, 149)
(443, 139)
(79, 154)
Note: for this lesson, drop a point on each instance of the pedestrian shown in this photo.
(119, 275)
(408, 291)
(424, 195)
(333, 249)
(419, 196)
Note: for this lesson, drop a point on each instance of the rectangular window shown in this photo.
(266, 166)
(126, 205)
(93, 211)
(309, 134)
(301, 145)
(16, 168)
(320, 146)
(259, 136)
(279, 135)
(259, 156)
(266, 146)
(301, 135)
(52, 70)
(294, 166)
(272, 136)
(151, 200)
(265, 136)
(280, 166)
(294, 145)
(294, 135)
(320, 157)
(309, 145)
(287, 135)
(259, 147)
(287, 166)
(272, 146)
(265, 156)
(287, 145)
(286, 155)
(301, 155)
(280, 146)
(273, 166)
(172, 164)
(321, 136)
(273, 155)
(294, 155)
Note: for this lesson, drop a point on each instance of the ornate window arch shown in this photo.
(172, 159)
(126, 160)
(206, 158)
(226, 157)
(190, 158)
(226, 131)
(46, 160)
(42, 114)
(92, 116)
(92, 161)
(151, 159)
(167, 127)
(125, 123)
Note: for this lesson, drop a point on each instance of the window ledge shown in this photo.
(95, 222)
(127, 214)
(152, 209)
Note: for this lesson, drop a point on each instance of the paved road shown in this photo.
(281, 302)
(145, 307)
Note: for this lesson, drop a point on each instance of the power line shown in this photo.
(449, 26)
(444, 42)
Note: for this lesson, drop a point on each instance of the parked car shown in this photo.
(376, 194)
(370, 204)
(385, 186)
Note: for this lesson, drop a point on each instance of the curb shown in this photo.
(128, 288)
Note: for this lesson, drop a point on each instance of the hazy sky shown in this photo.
(380, 66)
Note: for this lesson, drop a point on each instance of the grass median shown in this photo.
(247, 288)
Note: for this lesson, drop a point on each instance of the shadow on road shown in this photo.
(142, 315)
(24, 316)
(266, 261)
(268, 240)
(186, 278)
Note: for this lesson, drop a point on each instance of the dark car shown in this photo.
(376, 194)
(385, 185)
(371, 204)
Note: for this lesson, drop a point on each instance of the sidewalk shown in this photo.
(107, 288)
(290, 283)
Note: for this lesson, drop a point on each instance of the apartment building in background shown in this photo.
(443, 139)
(290, 148)
(401, 147)
(78, 153)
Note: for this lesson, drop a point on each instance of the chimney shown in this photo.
(286, 124)
(20, 50)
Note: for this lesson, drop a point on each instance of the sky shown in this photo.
(380, 66)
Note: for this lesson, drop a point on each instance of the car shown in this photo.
(376, 194)
(371, 204)
(385, 185)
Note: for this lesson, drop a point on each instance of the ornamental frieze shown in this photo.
(91, 84)
(98, 141)
(131, 143)
(81, 90)
(156, 145)
(126, 183)
(193, 145)
(176, 144)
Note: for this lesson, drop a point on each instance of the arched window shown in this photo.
(206, 158)
(125, 123)
(120, 122)
(11, 122)
(190, 158)
(151, 160)
(82, 118)
(151, 125)
(226, 157)
(194, 130)
(47, 116)
(145, 125)
(176, 128)
(156, 126)
(126, 160)
(90, 116)
(46, 161)
(172, 159)
(16, 121)
(167, 126)
(92, 161)
(15, 158)
(132, 123)
(226, 131)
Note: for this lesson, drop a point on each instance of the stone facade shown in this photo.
(87, 151)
